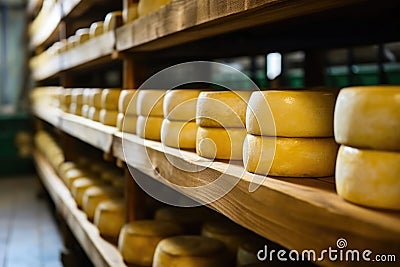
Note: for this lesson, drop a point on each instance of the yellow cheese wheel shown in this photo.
(295, 113)
(220, 143)
(77, 96)
(72, 41)
(180, 105)
(150, 102)
(108, 117)
(130, 12)
(85, 111)
(75, 109)
(144, 236)
(94, 114)
(148, 6)
(369, 117)
(73, 174)
(65, 97)
(95, 98)
(86, 96)
(193, 251)
(222, 108)
(126, 124)
(127, 99)
(109, 218)
(369, 177)
(112, 21)
(179, 134)
(83, 35)
(294, 157)
(94, 195)
(64, 167)
(80, 185)
(110, 98)
(149, 127)
(96, 29)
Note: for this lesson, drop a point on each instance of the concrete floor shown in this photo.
(28, 232)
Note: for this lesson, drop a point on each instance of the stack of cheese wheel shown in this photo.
(127, 111)
(367, 125)
(94, 104)
(80, 185)
(112, 21)
(130, 10)
(221, 119)
(49, 148)
(83, 35)
(96, 29)
(109, 106)
(76, 102)
(148, 6)
(65, 100)
(194, 251)
(85, 103)
(94, 195)
(290, 133)
(179, 127)
(144, 236)
(109, 218)
(150, 110)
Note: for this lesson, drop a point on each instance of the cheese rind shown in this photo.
(179, 134)
(126, 124)
(95, 98)
(108, 117)
(220, 143)
(291, 113)
(150, 102)
(85, 111)
(180, 105)
(75, 109)
(368, 117)
(222, 109)
(94, 114)
(110, 98)
(79, 187)
(369, 177)
(290, 157)
(109, 217)
(96, 29)
(94, 195)
(112, 21)
(127, 102)
(149, 127)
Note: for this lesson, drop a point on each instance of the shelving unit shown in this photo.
(296, 213)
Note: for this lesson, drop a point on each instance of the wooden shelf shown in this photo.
(101, 252)
(50, 115)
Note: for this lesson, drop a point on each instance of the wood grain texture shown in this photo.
(98, 250)
(296, 213)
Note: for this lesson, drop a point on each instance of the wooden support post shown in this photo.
(314, 67)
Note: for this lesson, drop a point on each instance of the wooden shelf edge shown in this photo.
(98, 250)
(50, 115)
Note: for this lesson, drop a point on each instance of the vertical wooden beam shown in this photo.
(314, 67)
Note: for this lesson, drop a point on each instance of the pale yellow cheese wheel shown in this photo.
(83, 35)
(148, 6)
(130, 12)
(179, 134)
(108, 117)
(64, 167)
(94, 114)
(86, 96)
(96, 29)
(110, 98)
(369, 117)
(95, 98)
(193, 251)
(80, 185)
(109, 217)
(220, 143)
(75, 109)
(222, 108)
(77, 96)
(149, 127)
(180, 105)
(150, 103)
(72, 41)
(144, 236)
(65, 97)
(112, 21)
(71, 175)
(85, 111)
(126, 124)
(94, 195)
(369, 177)
(127, 99)
(294, 157)
(291, 113)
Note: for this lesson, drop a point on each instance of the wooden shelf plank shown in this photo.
(98, 250)
(48, 114)
(183, 21)
(296, 213)
(91, 132)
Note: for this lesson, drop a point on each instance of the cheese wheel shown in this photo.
(149, 127)
(220, 143)
(130, 12)
(222, 108)
(86, 96)
(77, 96)
(73, 174)
(64, 167)
(79, 187)
(127, 100)
(65, 97)
(179, 134)
(150, 102)
(96, 29)
(369, 177)
(126, 124)
(193, 251)
(148, 6)
(369, 117)
(108, 117)
(112, 21)
(180, 105)
(72, 41)
(75, 109)
(85, 111)
(110, 98)
(294, 157)
(144, 236)
(83, 35)
(94, 114)
(94, 195)
(109, 218)
(232, 235)
(95, 98)
(291, 113)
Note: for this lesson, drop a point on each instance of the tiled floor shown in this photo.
(28, 233)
